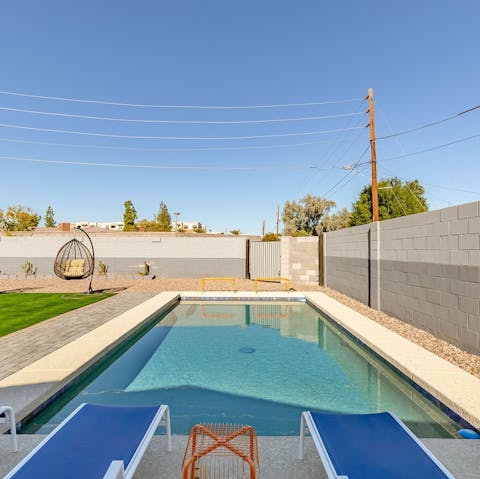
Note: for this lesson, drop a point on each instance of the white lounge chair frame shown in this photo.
(117, 468)
(308, 425)
(9, 414)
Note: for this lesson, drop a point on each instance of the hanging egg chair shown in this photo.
(75, 260)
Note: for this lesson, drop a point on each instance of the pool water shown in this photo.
(258, 364)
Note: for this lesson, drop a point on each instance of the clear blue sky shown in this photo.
(421, 58)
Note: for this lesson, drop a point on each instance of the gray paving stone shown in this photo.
(26, 346)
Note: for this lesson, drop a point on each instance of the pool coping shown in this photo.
(34, 386)
(31, 388)
(435, 377)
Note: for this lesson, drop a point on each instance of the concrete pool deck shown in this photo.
(28, 388)
(278, 457)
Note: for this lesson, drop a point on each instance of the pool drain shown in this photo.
(247, 350)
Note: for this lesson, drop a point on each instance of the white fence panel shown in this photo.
(264, 259)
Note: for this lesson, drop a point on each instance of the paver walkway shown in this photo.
(26, 346)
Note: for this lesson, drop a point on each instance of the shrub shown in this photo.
(29, 269)
(299, 233)
(271, 237)
(102, 268)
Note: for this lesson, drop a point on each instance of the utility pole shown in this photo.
(373, 155)
(263, 228)
(278, 218)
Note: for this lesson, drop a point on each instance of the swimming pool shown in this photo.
(254, 363)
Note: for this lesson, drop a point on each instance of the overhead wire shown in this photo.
(477, 193)
(429, 125)
(444, 145)
(391, 172)
(337, 148)
(331, 151)
(204, 107)
(182, 122)
(140, 137)
(349, 172)
(389, 126)
(358, 172)
(127, 148)
(159, 167)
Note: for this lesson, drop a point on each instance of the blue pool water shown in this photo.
(260, 364)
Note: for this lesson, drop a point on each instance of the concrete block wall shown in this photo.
(429, 270)
(346, 261)
(124, 255)
(299, 258)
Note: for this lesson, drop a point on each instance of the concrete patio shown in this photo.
(278, 457)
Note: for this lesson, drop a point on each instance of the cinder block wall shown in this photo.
(429, 270)
(124, 255)
(346, 261)
(299, 258)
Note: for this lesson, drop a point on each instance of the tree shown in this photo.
(305, 217)
(235, 232)
(50, 218)
(19, 218)
(146, 225)
(163, 218)
(270, 237)
(341, 219)
(395, 199)
(129, 216)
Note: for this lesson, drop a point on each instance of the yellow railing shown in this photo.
(276, 280)
(233, 280)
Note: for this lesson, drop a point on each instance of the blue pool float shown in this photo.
(469, 434)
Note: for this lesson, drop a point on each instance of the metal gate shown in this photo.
(264, 259)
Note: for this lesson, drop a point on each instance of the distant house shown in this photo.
(188, 226)
(112, 225)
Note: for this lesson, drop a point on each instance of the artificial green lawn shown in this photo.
(20, 310)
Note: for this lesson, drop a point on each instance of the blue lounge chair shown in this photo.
(95, 442)
(368, 446)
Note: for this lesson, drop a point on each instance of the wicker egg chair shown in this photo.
(75, 260)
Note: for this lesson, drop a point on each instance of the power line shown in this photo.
(205, 107)
(126, 148)
(331, 152)
(181, 122)
(358, 163)
(160, 167)
(414, 153)
(357, 173)
(428, 125)
(403, 150)
(137, 137)
(454, 189)
(390, 188)
(336, 148)
(408, 188)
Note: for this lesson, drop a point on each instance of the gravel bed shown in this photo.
(142, 284)
(468, 362)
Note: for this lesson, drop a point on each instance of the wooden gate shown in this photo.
(264, 259)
